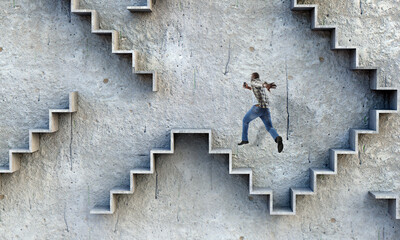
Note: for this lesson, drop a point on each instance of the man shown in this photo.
(260, 109)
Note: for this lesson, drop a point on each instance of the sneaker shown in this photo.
(278, 140)
(243, 142)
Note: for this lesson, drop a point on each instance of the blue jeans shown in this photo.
(265, 116)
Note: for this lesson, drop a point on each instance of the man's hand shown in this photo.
(268, 86)
(246, 86)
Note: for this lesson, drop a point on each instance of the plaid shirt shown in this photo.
(259, 92)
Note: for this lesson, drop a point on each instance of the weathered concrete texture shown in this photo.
(47, 52)
(370, 24)
(204, 56)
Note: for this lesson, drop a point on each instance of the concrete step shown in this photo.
(322, 171)
(383, 195)
(221, 151)
(146, 8)
(101, 209)
(323, 28)
(261, 191)
(245, 171)
(121, 190)
(282, 211)
(42, 131)
(302, 191)
(6, 169)
(393, 201)
(141, 171)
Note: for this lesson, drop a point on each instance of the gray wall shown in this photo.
(47, 52)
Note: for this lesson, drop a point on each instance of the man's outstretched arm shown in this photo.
(268, 86)
(258, 83)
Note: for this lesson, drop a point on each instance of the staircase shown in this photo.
(95, 26)
(290, 210)
(34, 143)
(374, 114)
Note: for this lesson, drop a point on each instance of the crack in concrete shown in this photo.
(194, 78)
(177, 214)
(116, 224)
(287, 101)
(156, 192)
(65, 219)
(211, 176)
(88, 193)
(70, 142)
(229, 59)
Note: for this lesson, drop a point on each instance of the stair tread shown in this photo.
(44, 130)
(5, 169)
(60, 110)
(344, 48)
(121, 189)
(282, 211)
(324, 27)
(192, 130)
(221, 150)
(363, 130)
(261, 190)
(145, 72)
(343, 151)
(320, 171)
(242, 170)
(141, 170)
(101, 209)
(20, 150)
(145, 8)
(123, 52)
(384, 195)
(103, 31)
(302, 190)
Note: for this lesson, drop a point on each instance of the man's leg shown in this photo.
(252, 114)
(266, 118)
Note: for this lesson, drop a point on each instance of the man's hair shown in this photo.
(255, 75)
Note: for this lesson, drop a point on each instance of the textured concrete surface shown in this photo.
(203, 52)
(373, 26)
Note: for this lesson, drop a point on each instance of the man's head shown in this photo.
(255, 75)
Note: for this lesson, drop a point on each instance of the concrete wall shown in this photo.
(203, 51)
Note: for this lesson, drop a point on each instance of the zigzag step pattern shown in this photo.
(393, 202)
(314, 172)
(34, 143)
(95, 26)
(374, 114)
(129, 189)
